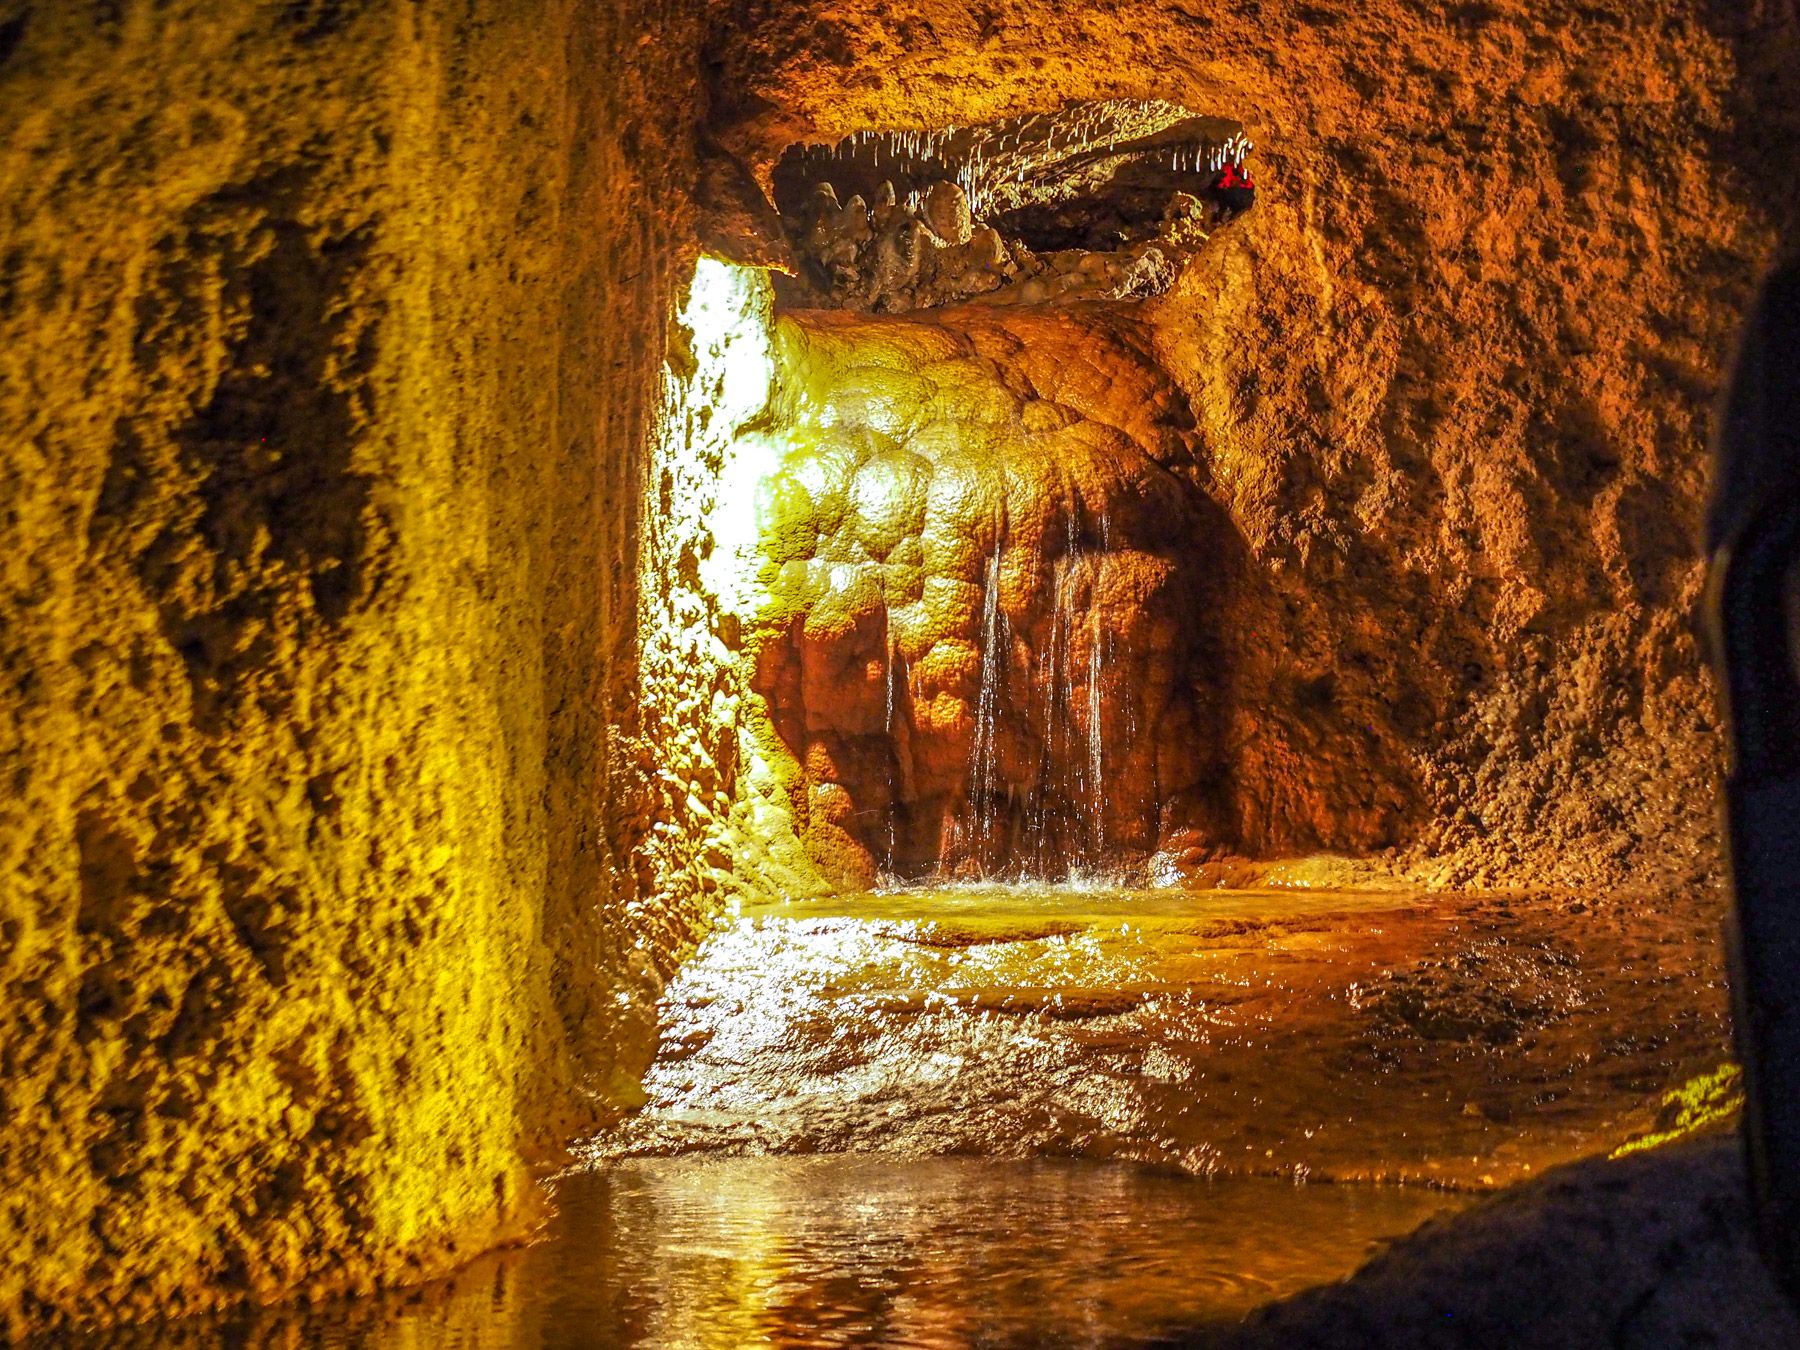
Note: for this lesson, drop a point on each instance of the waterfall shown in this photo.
(985, 765)
(1096, 790)
(1063, 789)
(1068, 808)
(1064, 832)
(893, 808)
(1096, 682)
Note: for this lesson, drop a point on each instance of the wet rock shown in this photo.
(1018, 675)
(1651, 1250)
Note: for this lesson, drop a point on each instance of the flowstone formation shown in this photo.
(988, 614)
(960, 594)
(988, 637)
(1098, 200)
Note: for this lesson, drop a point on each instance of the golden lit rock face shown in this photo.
(1453, 373)
(989, 602)
(1008, 627)
(328, 343)
(716, 817)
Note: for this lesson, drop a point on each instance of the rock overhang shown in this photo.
(1097, 200)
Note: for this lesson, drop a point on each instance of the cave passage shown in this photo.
(1031, 845)
(853, 645)
(1035, 835)
(956, 593)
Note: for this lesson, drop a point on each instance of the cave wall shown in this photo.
(1453, 374)
(963, 566)
(329, 342)
(960, 593)
(991, 635)
(332, 337)
(715, 802)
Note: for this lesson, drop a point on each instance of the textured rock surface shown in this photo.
(1006, 627)
(1639, 1254)
(1095, 200)
(328, 341)
(715, 820)
(330, 335)
(964, 569)
(1453, 372)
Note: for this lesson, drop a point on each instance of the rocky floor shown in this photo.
(1651, 1252)
(1462, 1040)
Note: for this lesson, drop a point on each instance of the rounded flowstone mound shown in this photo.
(984, 606)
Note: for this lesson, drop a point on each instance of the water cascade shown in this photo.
(984, 763)
(1060, 830)
(1096, 777)
(892, 677)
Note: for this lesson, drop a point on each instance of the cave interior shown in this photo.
(718, 674)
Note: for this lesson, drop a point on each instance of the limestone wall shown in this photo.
(988, 584)
(1453, 374)
(713, 802)
(1007, 624)
(329, 339)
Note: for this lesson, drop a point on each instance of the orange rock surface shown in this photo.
(330, 337)
(1452, 375)
(995, 595)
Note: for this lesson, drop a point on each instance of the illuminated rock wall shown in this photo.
(719, 807)
(1006, 629)
(989, 601)
(329, 338)
(1453, 373)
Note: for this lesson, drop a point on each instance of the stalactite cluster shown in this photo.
(1098, 200)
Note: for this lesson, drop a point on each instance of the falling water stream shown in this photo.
(984, 794)
(891, 676)
(1063, 831)
(1065, 819)
(1096, 787)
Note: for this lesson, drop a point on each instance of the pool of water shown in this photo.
(865, 1251)
(1070, 1116)
(1463, 1040)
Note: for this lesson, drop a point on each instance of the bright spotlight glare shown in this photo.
(729, 313)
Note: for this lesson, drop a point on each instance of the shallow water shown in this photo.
(920, 1118)
(1465, 1040)
(866, 1251)
(839, 1251)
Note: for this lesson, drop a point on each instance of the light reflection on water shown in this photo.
(1465, 1040)
(828, 1067)
(837, 1251)
(862, 1251)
